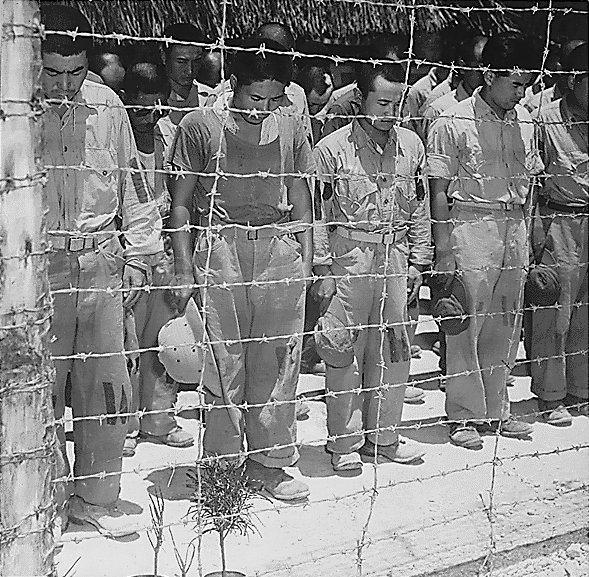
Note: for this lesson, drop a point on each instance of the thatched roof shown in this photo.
(319, 20)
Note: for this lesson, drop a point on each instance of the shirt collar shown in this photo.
(483, 110)
(80, 100)
(362, 140)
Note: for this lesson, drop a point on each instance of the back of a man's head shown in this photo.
(578, 60)
(471, 49)
(388, 46)
(276, 32)
(145, 78)
(510, 51)
(63, 18)
(209, 72)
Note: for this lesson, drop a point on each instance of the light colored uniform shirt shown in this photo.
(95, 139)
(435, 108)
(486, 158)
(565, 155)
(417, 95)
(366, 188)
(209, 139)
(440, 90)
(541, 99)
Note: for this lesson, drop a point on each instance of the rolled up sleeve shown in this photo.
(442, 152)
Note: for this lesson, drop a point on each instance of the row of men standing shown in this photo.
(372, 238)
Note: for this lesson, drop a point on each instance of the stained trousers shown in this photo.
(559, 334)
(91, 323)
(374, 293)
(260, 323)
(153, 390)
(490, 250)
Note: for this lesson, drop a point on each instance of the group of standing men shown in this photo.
(347, 223)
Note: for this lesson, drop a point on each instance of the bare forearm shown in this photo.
(440, 214)
(300, 198)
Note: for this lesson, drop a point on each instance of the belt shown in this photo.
(73, 243)
(266, 231)
(488, 205)
(564, 207)
(375, 237)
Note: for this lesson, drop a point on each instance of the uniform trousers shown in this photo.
(254, 303)
(91, 322)
(559, 334)
(490, 250)
(373, 290)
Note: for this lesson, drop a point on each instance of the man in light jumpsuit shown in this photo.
(481, 154)
(370, 183)
(88, 147)
(252, 258)
(559, 333)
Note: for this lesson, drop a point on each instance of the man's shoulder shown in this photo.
(96, 95)
(347, 101)
(335, 140)
(444, 102)
(409, 138)
(463, 110)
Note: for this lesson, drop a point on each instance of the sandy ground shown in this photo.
(387, 521)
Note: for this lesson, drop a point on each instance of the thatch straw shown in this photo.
(319, 20)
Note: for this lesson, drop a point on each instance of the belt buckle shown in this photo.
(252, 235)
(75, 244)
(507, 205)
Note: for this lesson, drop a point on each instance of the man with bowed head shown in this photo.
(481, 156)
(252, 259)
(91, 207)
(372, 192)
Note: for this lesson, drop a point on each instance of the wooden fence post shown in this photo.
(26, 413)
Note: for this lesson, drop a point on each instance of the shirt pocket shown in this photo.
(356, 194)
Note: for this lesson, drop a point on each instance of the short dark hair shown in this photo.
(312, 77)
(467, 49)
(276, 32)
(578, 60)
(386, 43)
(147, 78)
(64, 18)
(511, 50)
(391, 71)
(96, 57)
(183, 32)
(249, 66)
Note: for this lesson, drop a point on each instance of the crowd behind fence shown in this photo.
(194, 458)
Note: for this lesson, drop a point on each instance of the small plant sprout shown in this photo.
(223, 501)
(156, 533)
(184, 562)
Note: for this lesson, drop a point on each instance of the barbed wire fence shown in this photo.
(28, 441)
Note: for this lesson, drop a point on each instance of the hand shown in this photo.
(182, 293)
(445, 262)
(322, 292)
(133, 278)
(414, 282)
